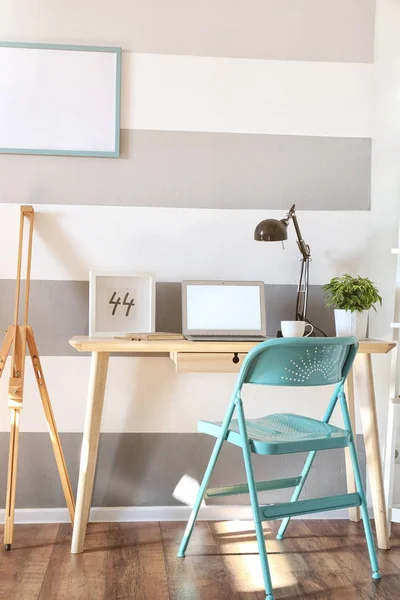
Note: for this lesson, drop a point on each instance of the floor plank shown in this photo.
(299, 567)
(394, 554)
(201, 574)
(318, 560)
(346, 542)
(136, 566)
(79, 576)
(22, 570)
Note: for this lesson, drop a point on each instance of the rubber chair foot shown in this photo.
(279, 536)
(7, 547)
(181, 555)
(376, 575)
(270, 597)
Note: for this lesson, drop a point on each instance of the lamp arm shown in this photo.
(302, 291)
(303, 247)
(303, 287)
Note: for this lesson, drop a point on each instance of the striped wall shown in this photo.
(231, 112)
(223, 133)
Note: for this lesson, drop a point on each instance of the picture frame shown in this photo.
(60, 99)
(121, 303)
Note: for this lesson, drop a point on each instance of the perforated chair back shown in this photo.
(299, 361)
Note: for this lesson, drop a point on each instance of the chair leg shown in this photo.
(199, 498)
(297, 491)
(206, 479)
(360, 489)
(364, 513)
(254, 504)
(308, 464)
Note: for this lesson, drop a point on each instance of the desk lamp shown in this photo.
(275, 230)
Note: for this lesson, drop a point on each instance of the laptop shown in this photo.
(223, 310)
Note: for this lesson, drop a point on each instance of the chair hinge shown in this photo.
(238, 401)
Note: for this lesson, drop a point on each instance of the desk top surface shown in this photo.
(98, 344)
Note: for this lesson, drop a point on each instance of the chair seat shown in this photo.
(282, 434)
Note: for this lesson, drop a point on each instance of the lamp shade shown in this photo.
(271, 230)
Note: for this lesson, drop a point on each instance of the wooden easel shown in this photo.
(18, 337)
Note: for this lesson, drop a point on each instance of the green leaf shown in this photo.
(351, 293)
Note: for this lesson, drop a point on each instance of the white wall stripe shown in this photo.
(180, 244)
(146, 395)
(192, 93)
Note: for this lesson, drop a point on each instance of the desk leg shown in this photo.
(365, 382)
(354, 513)
(90, 444)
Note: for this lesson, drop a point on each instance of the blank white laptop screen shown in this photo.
(223, 307)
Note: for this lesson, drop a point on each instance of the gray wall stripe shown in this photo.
(59, 310)
(201, 170)
(143, 469)
(317, 30)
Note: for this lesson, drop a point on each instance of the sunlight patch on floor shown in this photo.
(239, 550)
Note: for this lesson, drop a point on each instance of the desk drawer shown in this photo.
(208, 362)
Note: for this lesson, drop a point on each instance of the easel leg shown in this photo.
(11, 479)
(16, 336)
(5, 348)
(54, 437)
(90, 444)
(354, 513)
(15, 401)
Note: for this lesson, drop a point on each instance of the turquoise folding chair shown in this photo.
(287, 362)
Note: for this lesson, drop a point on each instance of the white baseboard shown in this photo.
(151, 513)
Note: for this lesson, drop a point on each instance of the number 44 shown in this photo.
(124, 303)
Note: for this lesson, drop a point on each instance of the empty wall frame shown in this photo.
(57, 99)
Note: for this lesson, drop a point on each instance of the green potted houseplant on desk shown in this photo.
(352, 298)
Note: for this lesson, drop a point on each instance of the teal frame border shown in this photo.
(51, 152)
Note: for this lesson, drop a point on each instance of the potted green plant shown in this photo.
(352, 298)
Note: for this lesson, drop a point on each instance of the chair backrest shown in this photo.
(299, 361)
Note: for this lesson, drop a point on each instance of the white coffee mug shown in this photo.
(295, 328)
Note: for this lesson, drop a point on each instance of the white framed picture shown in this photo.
(121, 303)
(60, 99)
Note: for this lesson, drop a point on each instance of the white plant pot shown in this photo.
(351, 323)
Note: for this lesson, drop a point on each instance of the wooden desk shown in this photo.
(218, 357)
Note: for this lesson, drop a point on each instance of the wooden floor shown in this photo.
(319, 559)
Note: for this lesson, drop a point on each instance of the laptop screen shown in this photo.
(224, 307)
